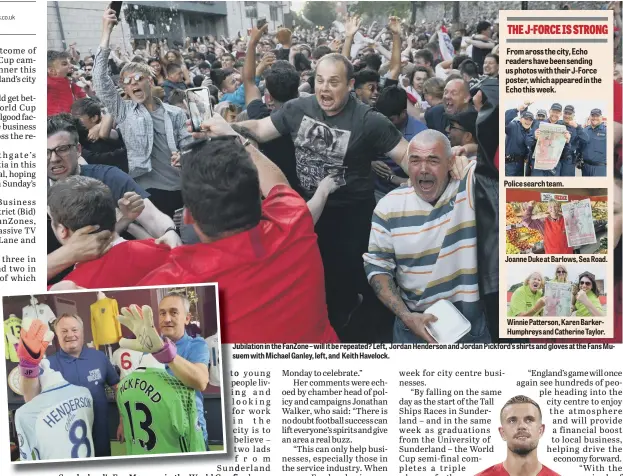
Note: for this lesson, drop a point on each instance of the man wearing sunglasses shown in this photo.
(367, 86)
(153, 132)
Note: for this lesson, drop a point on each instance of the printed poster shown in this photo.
(579, 224)
(549, 146)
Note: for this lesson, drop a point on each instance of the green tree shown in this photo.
(320, 13)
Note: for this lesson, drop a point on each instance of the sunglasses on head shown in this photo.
(136, 77)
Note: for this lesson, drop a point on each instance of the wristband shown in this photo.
(167, 353)
(171, 228)
(28, 369)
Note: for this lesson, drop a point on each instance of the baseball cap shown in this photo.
(556, 107)
(596, 112)
(527, 115)
(570, 108)
(465, 119)
(541, 112)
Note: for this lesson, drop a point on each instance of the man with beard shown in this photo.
(521, 427)
(153, 132)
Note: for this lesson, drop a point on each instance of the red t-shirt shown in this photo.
(499, 470)
(555, 237)
(124, 265)
(61, 95)
(270, 278)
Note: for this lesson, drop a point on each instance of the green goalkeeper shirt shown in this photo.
(159, 414)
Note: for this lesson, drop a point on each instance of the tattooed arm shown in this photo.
(386, 290)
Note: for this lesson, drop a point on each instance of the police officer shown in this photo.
(519, 140)
(594, 151)
(555, 113)
(577, 141)
(541, 115)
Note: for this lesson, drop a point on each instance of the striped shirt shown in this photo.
(430, 250)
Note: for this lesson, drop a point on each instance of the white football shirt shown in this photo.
(56, 424)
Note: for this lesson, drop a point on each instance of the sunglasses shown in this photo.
(586, 283)
(136, 77)
(560, 271)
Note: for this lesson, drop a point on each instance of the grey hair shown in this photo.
(73, 316)
(431, 136)
(183, 297)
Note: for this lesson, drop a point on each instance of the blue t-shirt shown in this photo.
(412, 128)
(195, 350)
(91, 370)
(115, 179)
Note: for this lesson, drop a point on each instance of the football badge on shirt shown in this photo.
(95, 375)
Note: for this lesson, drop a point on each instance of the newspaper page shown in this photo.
(579, 223)
(309, 277)
(558, 298)
(549, 146)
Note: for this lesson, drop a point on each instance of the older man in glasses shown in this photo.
(153, 132)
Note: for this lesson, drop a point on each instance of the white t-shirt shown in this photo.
(128, 361)
(56, 424)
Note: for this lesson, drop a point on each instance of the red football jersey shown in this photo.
(499, 470)
(270, 278)
(124, 265)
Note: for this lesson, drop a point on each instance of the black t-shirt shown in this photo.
(106, 152)
(119, 183)
(281, 150)
(436, 118)
(353, 138)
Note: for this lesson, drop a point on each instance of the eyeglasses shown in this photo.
(560, 271)
(450, 127)
(62, 150)
(585, 283)
(136, 77)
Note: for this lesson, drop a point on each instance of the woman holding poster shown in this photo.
(587, 299)
(528, 300)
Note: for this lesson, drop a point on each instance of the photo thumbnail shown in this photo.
(556, 221)
(114, 373)
(559, 138)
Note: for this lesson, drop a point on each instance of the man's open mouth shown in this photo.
(426, 185)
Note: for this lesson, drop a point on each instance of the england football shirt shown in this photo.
(56, 424)
(159, 414)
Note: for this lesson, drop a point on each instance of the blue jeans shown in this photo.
(593, 170)
(479, 333)
(514, 169)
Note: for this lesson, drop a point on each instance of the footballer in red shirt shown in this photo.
(522, 428)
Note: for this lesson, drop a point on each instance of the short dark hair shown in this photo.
(425, 54)
(392, 101)
(521, 399)
(173, 68)
(200, 56)
(470, 68)
(457, 60)
(321, 51)
(421, 69)
(220, 186)
(301, 63)
(373, 61)
(282, 81)
(456, 43)
(80, 201)
(56, 55)
(176, 97)
(59, 123)
(219, 75)
(482, 25)
(229, 55)
(204, 65)
(198, 80)
(86, 107)
(366, 76)
(338, 58)
(494, 56)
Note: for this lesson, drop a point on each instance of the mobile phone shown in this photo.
(116, 6)
(199, 107)
(261, 22)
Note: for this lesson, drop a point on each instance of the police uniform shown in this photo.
(555, 172)
(594, 151)
(577, 141)
(518, 143)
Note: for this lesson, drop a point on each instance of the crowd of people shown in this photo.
(326, 146)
